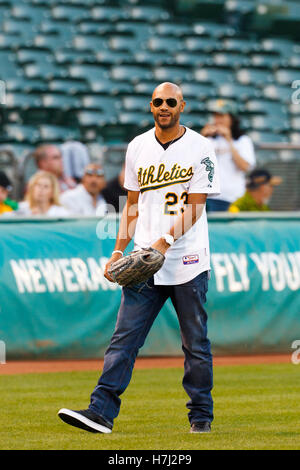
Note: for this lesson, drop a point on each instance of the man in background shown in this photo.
(48, 157)
(115, 194)
(6, 204)
(260, 185)
(87, 199)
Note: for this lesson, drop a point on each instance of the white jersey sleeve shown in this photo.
(205, 179)
(131, 179)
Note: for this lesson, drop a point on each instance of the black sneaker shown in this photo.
(85, 419)
(201, 427)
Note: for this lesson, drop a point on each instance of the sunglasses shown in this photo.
(94, 172)
(172, 102)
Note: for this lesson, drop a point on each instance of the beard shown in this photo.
(168, 125)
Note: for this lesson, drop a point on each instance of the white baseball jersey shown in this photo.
(164, 179)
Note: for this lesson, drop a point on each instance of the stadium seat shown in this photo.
(122, 43)
(294, 137)
(192, 59)
(252, 76)
(193, 120)
(109, 57)
(20, 133)
(110, 86)
(22, 101)
(173, 29)
(213, 75)
(164, 44)
(70, 13)
(72, 86)
(20, 26)
(294, 108)
(152, 14)
(195, 106)
(51, 41)
(172, 74)
(286, 76)
(236, 90)
(243, 46)
(152, 58)
(11, 41)
(266, 137)
(145, 88)
(88, 71)
(214, 30)
(269, 123)
(293, 61)
(94, 27)
(295, 123)
(64, 29)
(131, 73)
(68, 56)
(52, 133)
(136, 103)
(141, 30)
(202, 44)
(44, 70)
(8, 68)
(94, 119)
(33, 54)
(198, 90)
(108, 13)
(278, 45)
(99, 102)
(59, 101)
(91, 42)
(36, 14)
(230, 59)
(265, 60)
(266, 107)
(136, 119)
(278, 92)
(29, 86)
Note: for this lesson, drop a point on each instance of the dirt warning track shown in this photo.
(28, 367)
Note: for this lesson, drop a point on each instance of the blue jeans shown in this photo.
(216, 205)
(139, 307)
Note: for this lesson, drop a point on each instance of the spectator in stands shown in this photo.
(87, 199)
(260, 185)
(48, 157)
(42, 197)
(115, 194)
(6, 205)
(75, 157)
(234, 151)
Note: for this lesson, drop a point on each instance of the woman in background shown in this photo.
(234, 151)
(42, 197)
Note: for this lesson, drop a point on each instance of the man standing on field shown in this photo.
(169, 171)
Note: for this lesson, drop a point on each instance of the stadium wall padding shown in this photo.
(56, 303)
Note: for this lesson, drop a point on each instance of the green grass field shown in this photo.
(256, 407)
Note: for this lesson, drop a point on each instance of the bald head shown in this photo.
(169, 88)
(48, 157)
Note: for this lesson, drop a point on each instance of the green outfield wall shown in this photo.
(56, 303)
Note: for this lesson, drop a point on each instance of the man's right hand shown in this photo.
(113, 258)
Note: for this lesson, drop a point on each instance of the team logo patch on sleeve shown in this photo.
(190, 259)
(209, 167)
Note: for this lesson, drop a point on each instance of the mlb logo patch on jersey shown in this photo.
(190, 259)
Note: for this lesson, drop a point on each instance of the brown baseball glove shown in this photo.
(136, 267)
